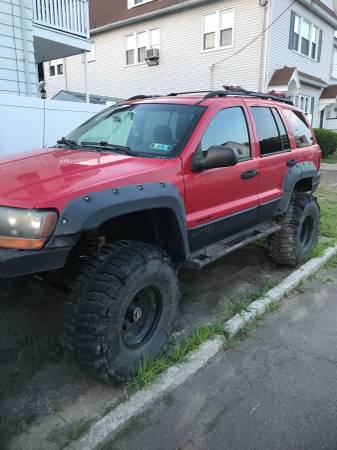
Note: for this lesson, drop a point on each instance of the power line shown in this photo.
(256, 37)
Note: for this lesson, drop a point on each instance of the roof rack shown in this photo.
(235, 91)
(141, 97)
(228, 91)
(174, 94)
(239, 92)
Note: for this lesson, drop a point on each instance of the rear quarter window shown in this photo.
(299, 128)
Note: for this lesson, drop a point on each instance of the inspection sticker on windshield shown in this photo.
(162, 147)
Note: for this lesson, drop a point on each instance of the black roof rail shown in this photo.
(238, 92)
(234, 91)
(141, 97)
(174, 94)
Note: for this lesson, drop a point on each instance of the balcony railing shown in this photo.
(70, 16)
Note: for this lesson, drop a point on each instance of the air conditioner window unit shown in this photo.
(152, 56)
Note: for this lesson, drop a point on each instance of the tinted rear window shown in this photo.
(267, 131)
(299, 128)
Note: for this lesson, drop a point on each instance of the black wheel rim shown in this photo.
(142, 317)
(306, 231)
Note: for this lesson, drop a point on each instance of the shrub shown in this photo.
(327, 140)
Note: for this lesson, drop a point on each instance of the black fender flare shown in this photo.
(92, 210)
(301, 171)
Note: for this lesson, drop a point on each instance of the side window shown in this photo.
(228, 128)
(282, 130)
(299, 128)
(267, 131)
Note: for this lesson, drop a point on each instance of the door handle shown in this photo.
(249, 174)
(292, 162)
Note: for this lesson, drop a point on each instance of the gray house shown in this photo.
(32, 32)
(160, 46)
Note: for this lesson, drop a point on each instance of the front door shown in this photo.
(223, 201)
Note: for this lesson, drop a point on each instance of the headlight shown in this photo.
(26, 229)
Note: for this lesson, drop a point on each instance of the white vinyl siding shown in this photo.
(279, 53)
(18, 72)
(334, 64)
(218, 29)
(183, 66)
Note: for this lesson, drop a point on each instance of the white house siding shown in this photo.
(183, 65)
(15, 77)
(280, 55)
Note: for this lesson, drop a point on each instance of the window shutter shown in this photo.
(312, 106)
(291, 33)
(320, 45)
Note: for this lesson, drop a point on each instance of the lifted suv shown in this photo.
(145, 187)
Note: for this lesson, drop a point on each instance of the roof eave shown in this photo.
(314, 83)
(160, 12)
(326, 14)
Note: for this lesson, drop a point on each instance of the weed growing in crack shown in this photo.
(273, 306)
(332, 263)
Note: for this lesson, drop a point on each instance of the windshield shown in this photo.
(156, 130)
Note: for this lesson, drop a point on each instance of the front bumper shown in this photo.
(14, 263)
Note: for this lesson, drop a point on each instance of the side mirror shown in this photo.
(215, 157)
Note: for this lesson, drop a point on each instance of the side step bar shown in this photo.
(207, 255)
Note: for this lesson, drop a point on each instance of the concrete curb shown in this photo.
(110, 425)
(259, 307)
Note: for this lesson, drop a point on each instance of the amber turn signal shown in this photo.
(21, 244)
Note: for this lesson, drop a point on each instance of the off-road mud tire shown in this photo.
(99, 301)
(299, 232)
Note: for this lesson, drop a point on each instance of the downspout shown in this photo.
(86, 70)
(265, 46)
(24, 46)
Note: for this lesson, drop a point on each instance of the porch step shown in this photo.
(209, 254)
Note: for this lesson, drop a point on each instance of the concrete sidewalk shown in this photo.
(277, 390)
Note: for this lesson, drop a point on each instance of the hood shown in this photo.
(55, 176)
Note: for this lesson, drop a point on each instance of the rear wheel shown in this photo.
(299, 233)
(122, 309)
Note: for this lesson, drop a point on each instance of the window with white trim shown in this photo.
(334, 64)
(306, 103)
(305, 37)
(133, 3)
(56, 68)
(136, 45)
(218, 29)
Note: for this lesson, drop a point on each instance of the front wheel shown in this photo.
(122, 309)
(299, 232)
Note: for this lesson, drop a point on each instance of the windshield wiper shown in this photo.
(68, 142)
(104, 144)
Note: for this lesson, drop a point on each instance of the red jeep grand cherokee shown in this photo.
(145, 187)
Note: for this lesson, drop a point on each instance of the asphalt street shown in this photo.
(276, 390)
